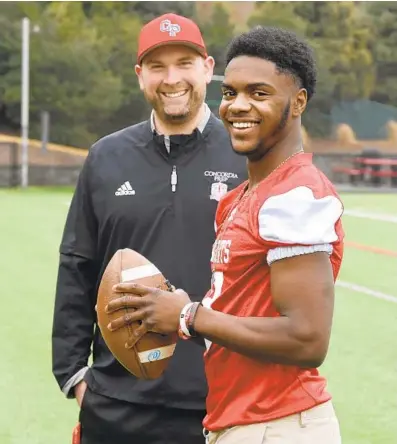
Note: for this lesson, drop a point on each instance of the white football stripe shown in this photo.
(156, 354)
(368, 291)
(372, 216)
(299, 217)
(131, 274)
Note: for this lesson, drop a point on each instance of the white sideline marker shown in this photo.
(371, 216)
(367, 291)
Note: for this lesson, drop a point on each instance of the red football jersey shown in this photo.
(295, 210)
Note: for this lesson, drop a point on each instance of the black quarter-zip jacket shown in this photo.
(132, 193)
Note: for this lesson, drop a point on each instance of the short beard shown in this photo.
(184, 115)
(262, 149)
(177, 118)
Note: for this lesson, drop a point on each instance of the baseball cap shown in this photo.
(170, 29)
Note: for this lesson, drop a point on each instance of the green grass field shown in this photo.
(361, 366)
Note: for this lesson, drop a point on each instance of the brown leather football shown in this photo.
(150, 354)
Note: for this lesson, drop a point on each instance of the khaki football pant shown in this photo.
(318, 425)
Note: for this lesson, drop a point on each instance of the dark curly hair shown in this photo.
(285, 49)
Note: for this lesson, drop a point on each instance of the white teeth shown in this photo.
(244, 124)
(173, 95)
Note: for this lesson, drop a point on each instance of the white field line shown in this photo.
(360, 288)
(367, 291)
(372, 216)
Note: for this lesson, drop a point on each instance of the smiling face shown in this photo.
(173, 79)
(259, 105)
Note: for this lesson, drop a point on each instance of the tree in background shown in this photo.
(339, 33)
(70, 76)
(341, 41)
(10, 59)
(279, 14)
(9, 67)
(119, 26)
(147, 11)
(218, 31)
(384, 31)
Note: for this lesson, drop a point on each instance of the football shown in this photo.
(149, 356)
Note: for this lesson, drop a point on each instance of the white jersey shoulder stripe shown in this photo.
(298, 217)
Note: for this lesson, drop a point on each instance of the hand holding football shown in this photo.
(145, 356)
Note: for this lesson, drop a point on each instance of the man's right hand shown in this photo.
(79, 391)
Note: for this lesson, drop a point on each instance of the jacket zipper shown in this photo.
(174, 179)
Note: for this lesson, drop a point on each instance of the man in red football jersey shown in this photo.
(268, 315)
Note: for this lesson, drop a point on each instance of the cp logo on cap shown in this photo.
(171, 28)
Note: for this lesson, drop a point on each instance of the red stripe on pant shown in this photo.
(76, 436)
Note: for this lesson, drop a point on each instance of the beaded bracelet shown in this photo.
(192, 317)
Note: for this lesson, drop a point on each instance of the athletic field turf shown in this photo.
(361, 366)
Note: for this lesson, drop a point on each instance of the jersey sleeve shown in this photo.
(299, 222)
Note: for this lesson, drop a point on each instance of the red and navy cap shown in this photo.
(170, 29)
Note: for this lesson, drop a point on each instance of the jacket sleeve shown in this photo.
(74, 310)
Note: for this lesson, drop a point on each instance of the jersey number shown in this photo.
(217, 284)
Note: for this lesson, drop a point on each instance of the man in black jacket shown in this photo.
(152, 187)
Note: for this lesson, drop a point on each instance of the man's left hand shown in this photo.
(158, 310)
